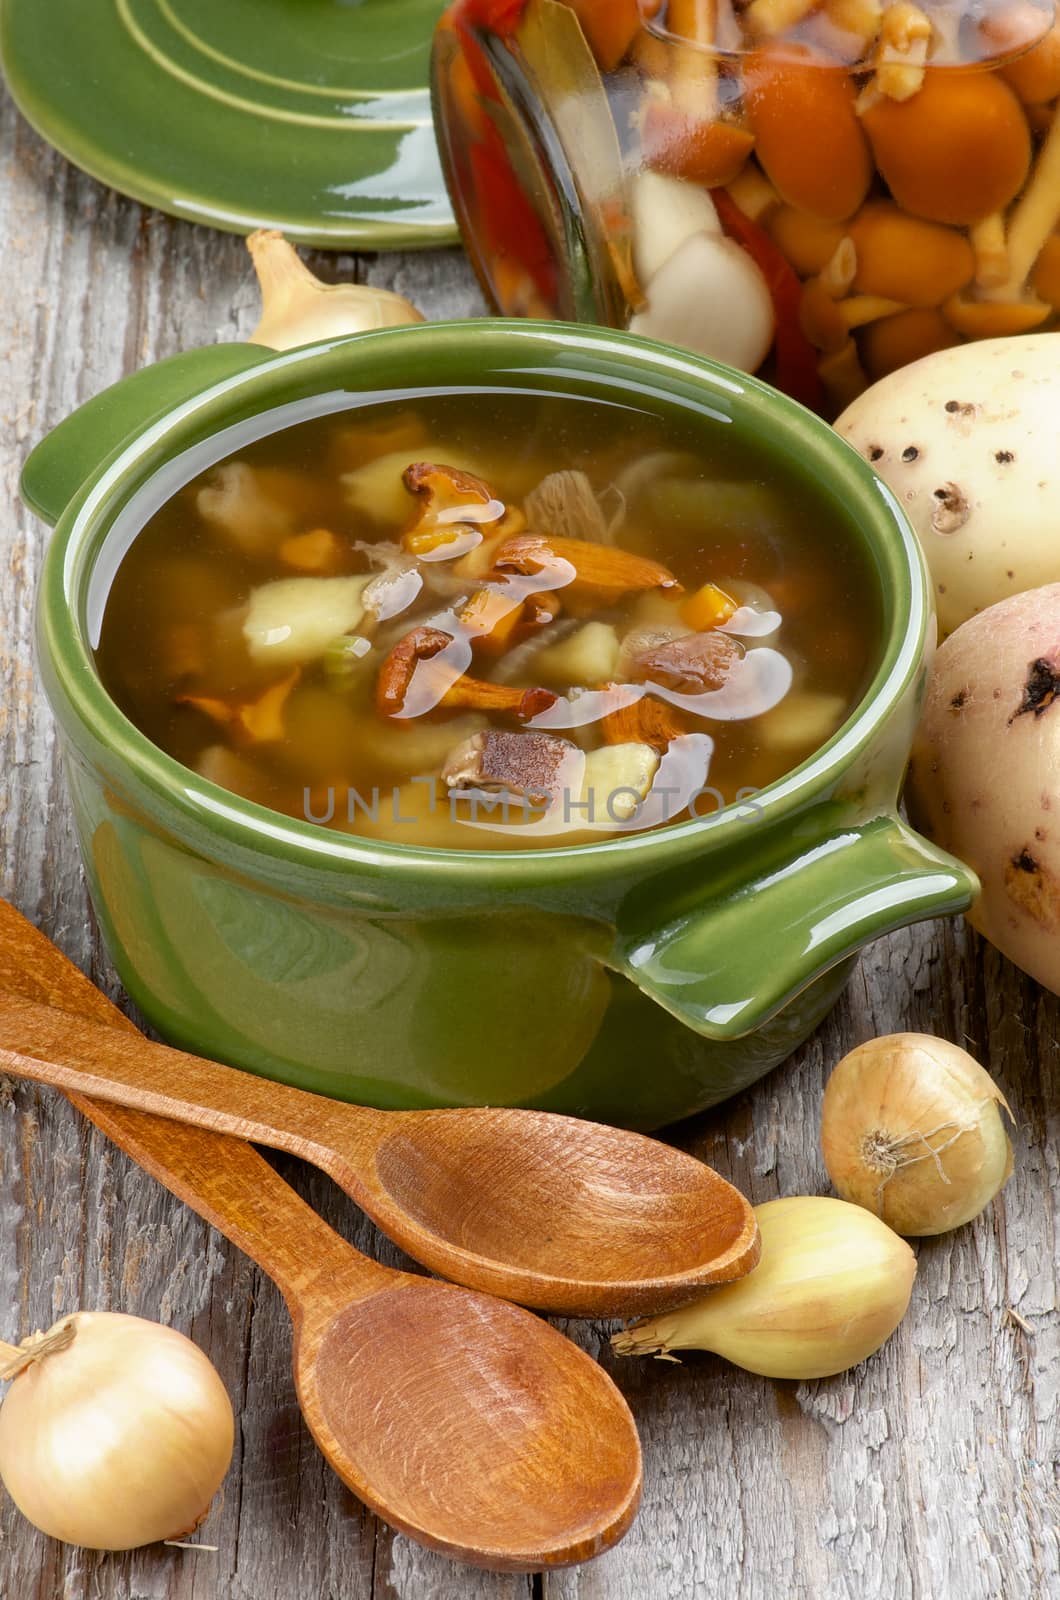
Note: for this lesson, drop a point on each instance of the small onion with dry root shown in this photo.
(911, 1129)
(832, 1285)
(115, 1433)
(297, 309)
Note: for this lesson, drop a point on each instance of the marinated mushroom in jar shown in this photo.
(818, 190)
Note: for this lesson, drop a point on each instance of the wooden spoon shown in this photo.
(465, 1422)
(564, 1215)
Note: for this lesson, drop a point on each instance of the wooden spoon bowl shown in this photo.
(605, 1220)
(468, 1423)
(469, 1432)
(546, 1210)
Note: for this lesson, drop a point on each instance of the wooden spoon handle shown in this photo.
(135, 1072)
(223, 1179)
(236, 1190)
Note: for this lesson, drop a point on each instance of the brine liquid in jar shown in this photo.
(818, 192)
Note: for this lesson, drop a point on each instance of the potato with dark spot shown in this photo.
(986, 767)
(967, 439)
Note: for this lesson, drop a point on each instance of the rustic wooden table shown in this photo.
(931, 1471)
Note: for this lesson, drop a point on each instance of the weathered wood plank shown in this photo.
(94, 287)
(932, 1469)
(929, 1472)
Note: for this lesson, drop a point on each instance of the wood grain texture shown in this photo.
(930, 1472)
(548, 1211)
(455, 1417)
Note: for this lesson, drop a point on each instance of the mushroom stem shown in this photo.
(858, 18)
(861, 309)
(990, 318)
(991, 251)
(842, 375)
(478, 694)
(694, 20)
(645, 721)
(601, 573)
(694, 75)
(425, 671)
(1032, 220)
(819, 317)
(840, 270)
(753, 193)
(902, 51)
(768, 19)
(828, 311)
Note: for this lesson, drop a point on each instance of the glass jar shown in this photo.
(817, 190)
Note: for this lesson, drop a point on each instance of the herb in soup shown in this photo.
(498, 622)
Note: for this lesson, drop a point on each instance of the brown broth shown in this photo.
(302, 730)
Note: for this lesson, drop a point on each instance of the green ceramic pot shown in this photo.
(636, 980)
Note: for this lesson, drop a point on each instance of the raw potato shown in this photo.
(376, 490)
(217, 764)
(589, 657)
(295, 619)
(423, 746)
(982, 781)
(804, 719)
(616, 779)
(967, 439)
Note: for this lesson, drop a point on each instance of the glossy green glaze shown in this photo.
(308, 115)
(635, 980)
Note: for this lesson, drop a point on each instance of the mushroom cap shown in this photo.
(801, 107)
(956, 151)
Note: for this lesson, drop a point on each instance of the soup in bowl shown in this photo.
(483, 713)
(523, 622)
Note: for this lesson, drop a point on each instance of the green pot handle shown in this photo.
(727, 964)
(75, 450)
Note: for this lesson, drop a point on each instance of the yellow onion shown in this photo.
(911, 1129)
(833, 1284)
(116, 1432)
(296, 308)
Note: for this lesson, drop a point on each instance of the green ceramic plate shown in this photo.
(308, 115)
